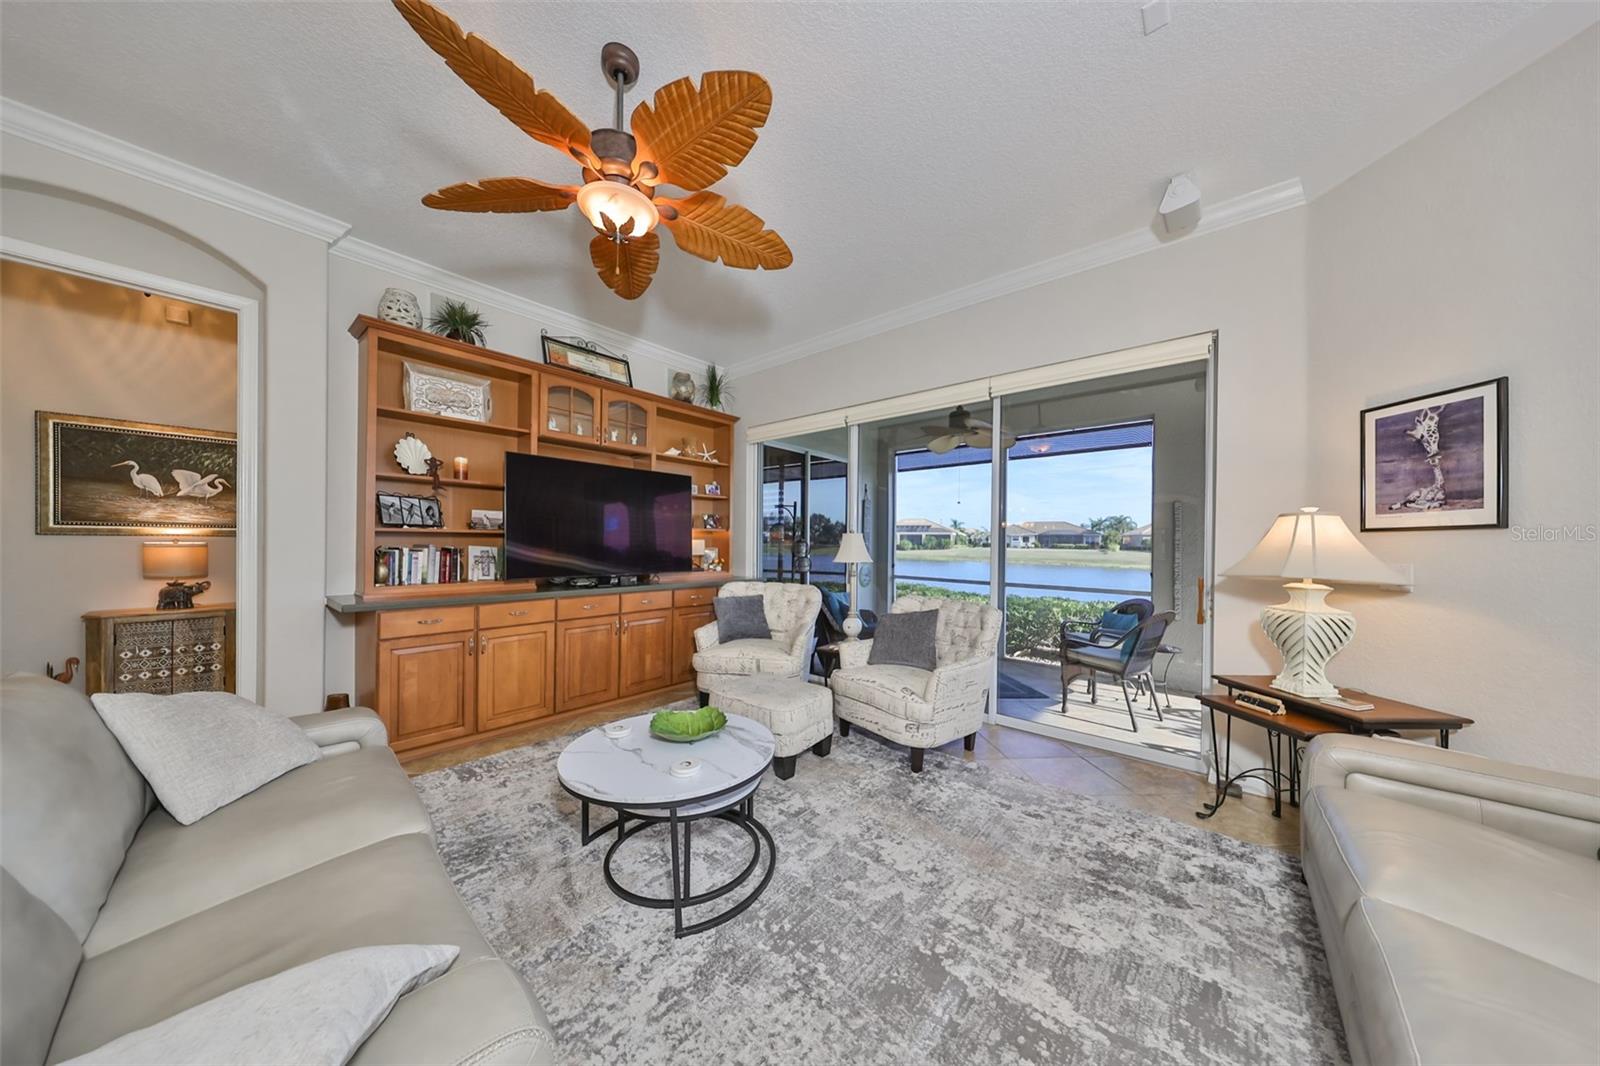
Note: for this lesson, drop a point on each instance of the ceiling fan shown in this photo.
(961, 428)
(688, 138)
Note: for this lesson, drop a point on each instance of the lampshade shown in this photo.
(619, 202)
(1314, 546)
(175, 559)
(852, 549)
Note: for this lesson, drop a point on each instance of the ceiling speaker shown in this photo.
(1180, 207)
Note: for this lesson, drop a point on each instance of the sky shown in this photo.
(1061, 488)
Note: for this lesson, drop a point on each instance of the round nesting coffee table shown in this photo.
(632, 775)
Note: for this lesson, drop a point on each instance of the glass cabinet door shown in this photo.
(627, 424)
(569, 411)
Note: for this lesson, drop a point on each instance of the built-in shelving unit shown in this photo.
(535, 409)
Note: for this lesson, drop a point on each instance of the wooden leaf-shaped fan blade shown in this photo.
(626, 268)
(510, 195)
(711, 228)
(693, 135)
(501, 82)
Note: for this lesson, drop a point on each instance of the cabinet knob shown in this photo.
(429, 621)
(516, 614)
(472, 642)
(588, 607)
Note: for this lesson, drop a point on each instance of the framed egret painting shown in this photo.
(111, 477)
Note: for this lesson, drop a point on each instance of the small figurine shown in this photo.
(433, 471)
(175, 595)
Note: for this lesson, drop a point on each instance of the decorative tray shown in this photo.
(685, 727)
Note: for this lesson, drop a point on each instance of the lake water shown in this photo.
(1124, 581)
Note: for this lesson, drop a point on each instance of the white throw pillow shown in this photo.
(203, 750)
(320, 1012)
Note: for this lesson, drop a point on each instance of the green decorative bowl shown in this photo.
(684, 727)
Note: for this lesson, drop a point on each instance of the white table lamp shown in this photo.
(1309, 545)
(852, 551)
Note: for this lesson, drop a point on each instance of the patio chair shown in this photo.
(1128, 660)
(1112, 627)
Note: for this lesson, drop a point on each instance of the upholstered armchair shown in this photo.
(922, 708)
(791, 611)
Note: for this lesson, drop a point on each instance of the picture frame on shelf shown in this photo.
(390, 511)
(480, 518)
(441, 391)
(574, 353)
(1437, 461)
(483, 563)
(396, 511)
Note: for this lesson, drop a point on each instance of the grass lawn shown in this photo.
(1137, 560)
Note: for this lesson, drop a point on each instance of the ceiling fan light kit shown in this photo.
(687, 137)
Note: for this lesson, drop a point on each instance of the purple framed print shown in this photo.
(1436, 461)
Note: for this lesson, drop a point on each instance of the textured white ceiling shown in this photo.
(912, 149)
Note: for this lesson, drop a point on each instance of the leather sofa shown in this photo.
(115, 916)
(1459, 902)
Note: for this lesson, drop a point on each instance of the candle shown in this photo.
(461, 468)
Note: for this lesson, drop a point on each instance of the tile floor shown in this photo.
(1079, 768)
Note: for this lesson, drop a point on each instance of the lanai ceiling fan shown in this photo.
(688, 138)
(961, 428)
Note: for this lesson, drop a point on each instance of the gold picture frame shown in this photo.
(118, 478)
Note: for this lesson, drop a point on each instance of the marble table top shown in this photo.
(634, 770)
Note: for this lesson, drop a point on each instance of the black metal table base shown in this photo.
(741, 813)
(1274, 775)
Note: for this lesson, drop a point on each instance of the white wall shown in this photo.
(1470, 253)
(1247, 282)
(64, 201)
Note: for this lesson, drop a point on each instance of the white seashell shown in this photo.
(412, 455)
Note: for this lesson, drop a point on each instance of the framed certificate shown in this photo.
(575, 356)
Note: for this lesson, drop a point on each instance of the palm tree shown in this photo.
(1111, 529)
(960, 537)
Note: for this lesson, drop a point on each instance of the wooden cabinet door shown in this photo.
(627, 423)
(646, 652)
(569, 411)
(586, 662)
(685, 620)
(425, 688)
(516, 674)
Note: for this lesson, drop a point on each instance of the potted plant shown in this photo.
(454, 319)
(716, 391)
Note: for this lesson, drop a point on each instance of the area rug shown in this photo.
(961, 915)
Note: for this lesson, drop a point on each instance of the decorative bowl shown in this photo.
(685, 727)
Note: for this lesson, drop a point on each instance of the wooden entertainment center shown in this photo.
(446, 663)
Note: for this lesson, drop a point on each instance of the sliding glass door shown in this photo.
(803, 508)
(1055, 503)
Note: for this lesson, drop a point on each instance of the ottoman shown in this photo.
(799, 714)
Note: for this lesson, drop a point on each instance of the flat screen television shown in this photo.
(566, 519)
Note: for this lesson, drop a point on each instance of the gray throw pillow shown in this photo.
(319, 1012)
(203, 750)
(741, 618)
(906, 638)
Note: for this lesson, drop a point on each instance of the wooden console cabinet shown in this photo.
(440, 676)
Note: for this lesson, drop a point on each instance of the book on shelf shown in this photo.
(420, 564)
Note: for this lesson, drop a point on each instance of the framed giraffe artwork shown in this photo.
(1436, 461)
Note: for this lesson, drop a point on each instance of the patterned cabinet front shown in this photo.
(162, 652)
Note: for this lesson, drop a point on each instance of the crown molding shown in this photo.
(1283, 196)
(53, 131)
(553, 319)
